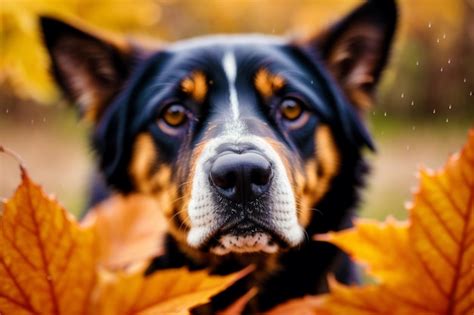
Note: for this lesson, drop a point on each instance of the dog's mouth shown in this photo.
(248, 235)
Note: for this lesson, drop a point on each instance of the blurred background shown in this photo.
(425, 103)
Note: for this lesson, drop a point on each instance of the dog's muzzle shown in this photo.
(242, 200)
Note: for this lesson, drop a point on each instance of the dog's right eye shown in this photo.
(174, 118)
(175, 115)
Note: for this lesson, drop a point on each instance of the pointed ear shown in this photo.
(89, 69)
(356, 49)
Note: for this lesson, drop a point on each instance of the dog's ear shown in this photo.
(356, 49)
(89, 69)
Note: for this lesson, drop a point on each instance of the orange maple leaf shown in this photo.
(172, 291)
(49, 264)
(47, 261)
(129, 229)
(423, 266)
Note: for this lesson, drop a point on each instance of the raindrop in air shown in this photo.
(434, 111)
(450, 106)
(447, 120)
(470, 93)
(413, 128)
(444, 36)
(412, 103)
(465, 80)
(6, 111)
(402, 95)
(408, 147)
(417, 63)
(449, 61)
(429, 25)
(441, 69)
(437, 40)
(385, 114)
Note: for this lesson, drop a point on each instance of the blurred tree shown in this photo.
(23, 61)
(433, 59)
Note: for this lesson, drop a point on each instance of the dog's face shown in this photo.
(238, 137)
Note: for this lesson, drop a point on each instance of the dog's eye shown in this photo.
(291, 109)
(175, 115)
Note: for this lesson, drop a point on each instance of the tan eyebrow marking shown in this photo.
(195, 86)
(267, 83)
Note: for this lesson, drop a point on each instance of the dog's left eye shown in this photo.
(291, 109)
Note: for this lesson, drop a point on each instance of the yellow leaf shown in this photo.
(23, 59)
(424, 266)
(47, 262)
(172, 291)
(129, 229)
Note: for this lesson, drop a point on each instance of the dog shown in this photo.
(252, 144)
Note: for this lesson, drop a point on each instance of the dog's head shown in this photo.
(238, 136)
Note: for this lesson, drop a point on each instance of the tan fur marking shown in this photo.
(156, 183)
(328, 159)
(195, 86)
(143, 157)
(311, 187)
(267, 83)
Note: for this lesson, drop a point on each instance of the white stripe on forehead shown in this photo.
(230, 68)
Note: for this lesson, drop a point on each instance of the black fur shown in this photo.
(148, 83)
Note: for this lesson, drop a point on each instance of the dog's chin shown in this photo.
(250, 243)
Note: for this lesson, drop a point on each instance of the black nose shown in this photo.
(241, 177)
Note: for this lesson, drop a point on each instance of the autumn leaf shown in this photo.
(166, 292)
(47, 261)
(423, 266)
(23, 58)
(129, 229)
(49, 264)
